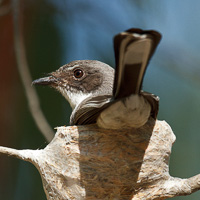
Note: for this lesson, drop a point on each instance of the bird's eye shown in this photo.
(78, 73)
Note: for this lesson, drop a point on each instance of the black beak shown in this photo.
(50, 80)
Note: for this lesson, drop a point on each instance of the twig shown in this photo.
(26, 155)
(24, 72)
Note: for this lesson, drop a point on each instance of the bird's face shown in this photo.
(80, 79)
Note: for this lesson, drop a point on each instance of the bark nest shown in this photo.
(87, 162)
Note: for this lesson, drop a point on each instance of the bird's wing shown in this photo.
(133, 50)
(88, 111)
(153, 101)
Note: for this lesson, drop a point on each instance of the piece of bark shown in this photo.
(86, 162)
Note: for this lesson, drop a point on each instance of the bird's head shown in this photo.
(80, 79)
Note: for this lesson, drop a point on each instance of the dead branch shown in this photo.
(86, 162)
(33, 100)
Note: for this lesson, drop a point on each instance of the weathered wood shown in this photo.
(86, 162)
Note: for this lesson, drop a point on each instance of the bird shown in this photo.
(111, 98)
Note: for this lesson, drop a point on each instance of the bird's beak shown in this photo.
(50, 80)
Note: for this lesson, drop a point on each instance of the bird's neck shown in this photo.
(74, 98)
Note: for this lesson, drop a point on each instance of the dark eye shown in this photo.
(78, 73)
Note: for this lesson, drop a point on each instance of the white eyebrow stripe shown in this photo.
(70, 68)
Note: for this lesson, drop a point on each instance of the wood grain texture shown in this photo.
(86, 162)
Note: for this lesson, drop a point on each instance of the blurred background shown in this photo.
(57, 32)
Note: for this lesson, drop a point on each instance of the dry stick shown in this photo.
(24, 72)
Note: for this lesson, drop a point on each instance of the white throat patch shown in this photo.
(73, 97)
